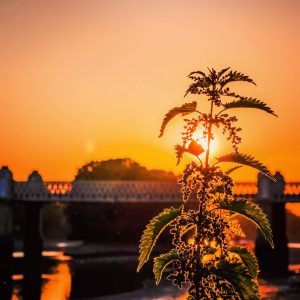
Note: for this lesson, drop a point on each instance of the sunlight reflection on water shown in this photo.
(183, 297)
(56, 284)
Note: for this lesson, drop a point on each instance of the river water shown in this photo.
(56, 281)
(58, 273)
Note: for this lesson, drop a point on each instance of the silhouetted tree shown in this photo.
(120, 169)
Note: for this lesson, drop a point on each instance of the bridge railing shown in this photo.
(35, 189)
(110, 191)
(35, 193)
(119, 191)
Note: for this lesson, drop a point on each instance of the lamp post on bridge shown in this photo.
(273, 262)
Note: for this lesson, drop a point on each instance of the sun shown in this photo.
(198, 137)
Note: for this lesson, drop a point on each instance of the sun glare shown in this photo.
(198, 137)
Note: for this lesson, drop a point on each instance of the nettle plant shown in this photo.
(203, 254)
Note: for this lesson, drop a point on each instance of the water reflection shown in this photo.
(183, 297)
(58, 270)
(56, 280)
(57, 285)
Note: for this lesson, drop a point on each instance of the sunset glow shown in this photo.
(198, 136)
(92, 80)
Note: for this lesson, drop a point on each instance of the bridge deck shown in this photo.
(126, 191)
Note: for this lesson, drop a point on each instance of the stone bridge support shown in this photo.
(273, 262)
(6, 233)
(33, 242)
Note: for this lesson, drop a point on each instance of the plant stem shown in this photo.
(201, 204)
(209, 130)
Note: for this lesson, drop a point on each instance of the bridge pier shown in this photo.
(6, 250)
(272, 262)
(33, 242)
(33, 247)
(6, 233)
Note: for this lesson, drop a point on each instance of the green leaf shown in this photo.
(234, 76)
(237, 274)
(245, 102)
(251, 211)
(161, 262)
(153, 230)
(248, 259)
(245, 159)
(187, 228)
(185, 109)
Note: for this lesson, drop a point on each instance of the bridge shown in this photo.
(125, 191)
(34, 193)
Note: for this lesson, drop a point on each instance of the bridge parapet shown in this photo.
(112, 191)
(120, 191)
(35, 189)
(35, 193)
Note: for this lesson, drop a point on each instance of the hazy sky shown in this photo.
(82, 80)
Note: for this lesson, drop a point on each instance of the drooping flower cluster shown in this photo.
(197, 236)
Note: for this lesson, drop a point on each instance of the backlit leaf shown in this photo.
(179, 152)
(194, 148)
(161, 262)
(245, 102)
(248, 259)
(241, 280)
(234, 76)
(153, 230)
(185, 109)
(245, 159)
(229, 171)
(252, 212)
(222, 72)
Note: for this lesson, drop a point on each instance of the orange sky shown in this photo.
(82, 80)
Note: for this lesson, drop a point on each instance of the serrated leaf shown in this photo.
(194, 148)
(153, 230)
(245, 159)
(251, 211)
(222, 72)
(187, 228)
(161, 262)
(235, 76)
(200, 83)
(237, 274)
(245, 102)
(179, 150)
(197, 73)
(229, 171)
(248, 259)
(185, 109)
